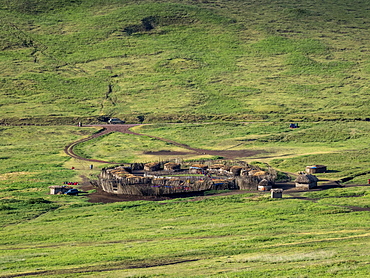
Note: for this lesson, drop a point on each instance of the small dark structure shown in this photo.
(293, 126)
(172, 166)
(197, 168)
(264, 185)
(154, 166)
(306, 181)
(57, 190)
(316, 169)
(235, 170)
(277, 193)
(217, 166)
(115, 121)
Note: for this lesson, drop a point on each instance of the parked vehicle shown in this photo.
(115, 121)
(72, 191)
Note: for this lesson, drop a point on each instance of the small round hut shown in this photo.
(235, 170)
(217, 166)
(306, 181)
(197, 168)
(154, 166)
(316, 169)
(257, 172)
(264, 185)
(172, 166)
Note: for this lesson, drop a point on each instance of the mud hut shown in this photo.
(197, 168)
(264, 185)
(56, 190)
(277, 193)
(316, 169)
(120, 171)
(306, 181)
(172, 166)
(154, 166)
(235, 170)
(257, 172)
(216, 166)
(221, 184)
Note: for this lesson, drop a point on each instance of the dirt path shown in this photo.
(106, 129)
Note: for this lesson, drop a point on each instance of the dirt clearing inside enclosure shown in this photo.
(227, 154)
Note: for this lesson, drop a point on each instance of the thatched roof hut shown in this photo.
(172, 166)
(220, 184)
(216, 166)
(202, 166)
(277, 193)
(56, 189)
(153, 166)
(316, 169)
(264, 182)
(306, 181)
(196, 168)
(235, 170)
(257, 173)
(264, 185)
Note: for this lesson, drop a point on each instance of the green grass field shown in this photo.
(229, 75)
(253, 236)
(178, 60)
(245, 235)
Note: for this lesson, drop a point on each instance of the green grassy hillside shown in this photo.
(312, 234)
(246, 235)
(195, 61)
(183, 60)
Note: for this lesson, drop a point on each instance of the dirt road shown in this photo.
(125, 128)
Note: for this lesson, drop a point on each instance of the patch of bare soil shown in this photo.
(163, 152)
(103, 268)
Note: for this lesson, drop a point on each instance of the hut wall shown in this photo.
(277, 193)
(152, 167)
(306, 185)
(54, 190)
(316, 169)
(246, 183)
(172, 167)
(137, 166)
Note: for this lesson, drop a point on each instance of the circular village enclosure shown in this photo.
(167, 178)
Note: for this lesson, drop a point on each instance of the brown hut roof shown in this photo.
(152, 164)
(171, 165)
(306, 179)
(202, 166)
(236, 170)
(316, 166)
(263, 182)
(217, 166)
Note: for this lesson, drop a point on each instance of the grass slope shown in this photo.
(254, 235)
(184, 60)
(246, 235)
(67, 61)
